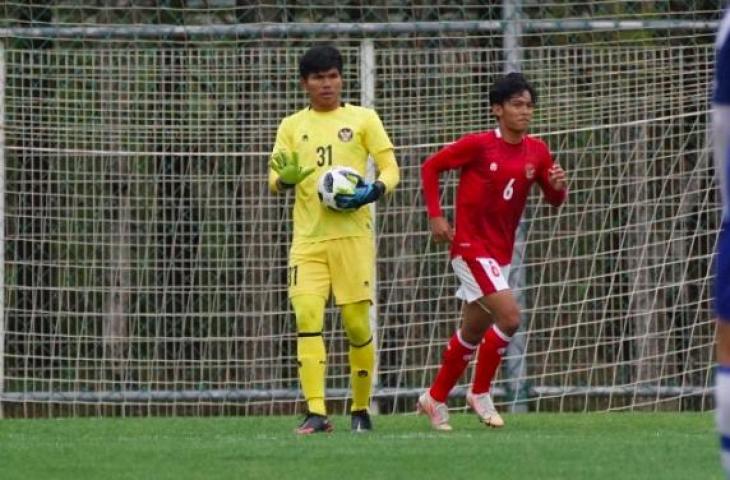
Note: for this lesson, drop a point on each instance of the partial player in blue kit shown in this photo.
(721, 293)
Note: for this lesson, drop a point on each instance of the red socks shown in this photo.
(488, 359)
(456, 358)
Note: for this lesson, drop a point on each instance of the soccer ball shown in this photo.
(337, 181)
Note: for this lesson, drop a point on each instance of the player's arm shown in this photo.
(453, 156)
(284, 168)
(552, 180)
(381, 148)
(389, 173)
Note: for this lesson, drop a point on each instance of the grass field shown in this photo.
(532, 446)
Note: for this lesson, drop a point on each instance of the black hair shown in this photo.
(320, 58)
(508, 86)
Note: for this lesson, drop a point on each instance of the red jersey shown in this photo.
(495, 180)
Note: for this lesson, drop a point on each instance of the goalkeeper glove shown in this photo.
(288, 168)
(364, 194)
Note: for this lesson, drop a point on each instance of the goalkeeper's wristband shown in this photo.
(379, 188)
(284, 186)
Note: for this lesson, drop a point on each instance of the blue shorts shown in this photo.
(722, 274)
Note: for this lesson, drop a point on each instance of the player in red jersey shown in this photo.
(497, 169)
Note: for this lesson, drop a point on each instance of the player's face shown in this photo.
(324, 89)
(516, 113)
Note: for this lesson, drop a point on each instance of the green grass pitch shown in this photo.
(532, 446)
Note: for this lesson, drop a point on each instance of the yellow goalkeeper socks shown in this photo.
(312, 364)
(356, 320)
(362, 360)
(311, 354)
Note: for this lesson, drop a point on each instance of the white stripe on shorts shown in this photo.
(469, 289)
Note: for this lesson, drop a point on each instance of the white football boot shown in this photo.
(437, 412)
(484, 407)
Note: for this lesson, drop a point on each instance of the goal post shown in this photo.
(144, 267)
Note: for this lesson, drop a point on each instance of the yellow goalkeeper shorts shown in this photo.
(343, 266)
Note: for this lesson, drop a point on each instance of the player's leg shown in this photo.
(311, 355)
(459, 351)
(308, 291)
(721, 292)
(722, 391)
(478, 278)
(722, 309)
(506, 315)
(474, 284)
(353, 291)
(501, 308)
(356, 321)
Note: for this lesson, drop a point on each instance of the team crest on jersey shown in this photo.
(493, 166)
(529, 171)
(345, 134)
(305, 138)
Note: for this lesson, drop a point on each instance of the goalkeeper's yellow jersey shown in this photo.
(343, 137)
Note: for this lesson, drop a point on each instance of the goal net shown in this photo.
(145, 260)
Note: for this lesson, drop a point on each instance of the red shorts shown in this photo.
(479, 277)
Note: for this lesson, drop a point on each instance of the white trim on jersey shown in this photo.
(469, 289)
(498, 132)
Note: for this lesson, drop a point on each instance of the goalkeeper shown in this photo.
(308, 143)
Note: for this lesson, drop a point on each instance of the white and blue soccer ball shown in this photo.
(337, 181)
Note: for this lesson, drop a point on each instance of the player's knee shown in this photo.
(473, 333)
(359, 336)
(356, 321)
(509, 321)
(309, 312)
